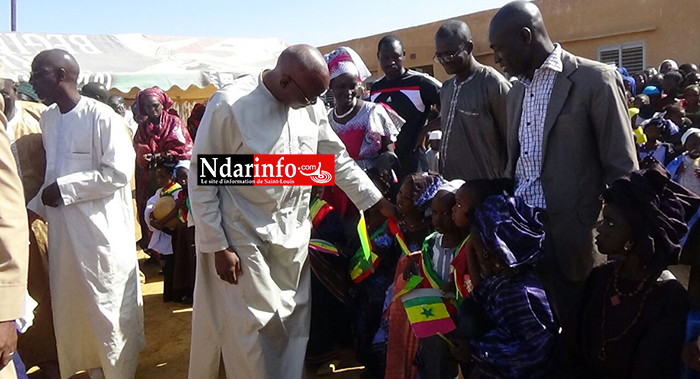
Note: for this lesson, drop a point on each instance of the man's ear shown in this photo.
(526, 35)
(469, 47)
(285, 81)
(61, 75)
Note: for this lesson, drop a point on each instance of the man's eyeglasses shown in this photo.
(306, 98)
(439, 58)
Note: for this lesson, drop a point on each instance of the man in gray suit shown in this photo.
(569, 135)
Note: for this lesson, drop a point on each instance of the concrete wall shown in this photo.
(668, 28)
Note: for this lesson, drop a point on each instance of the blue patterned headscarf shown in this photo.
(428, 185)
(511, 229)
(666, 126)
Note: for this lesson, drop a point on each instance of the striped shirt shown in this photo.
(538, 91)
(521, 342)
(411, 96)
(442, 257)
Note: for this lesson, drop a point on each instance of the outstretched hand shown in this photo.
(429, 127)
(387, 209)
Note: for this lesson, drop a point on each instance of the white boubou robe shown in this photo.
(261, 325)
(97, 304)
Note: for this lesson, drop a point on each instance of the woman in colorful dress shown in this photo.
(368, 130)
(160, 134)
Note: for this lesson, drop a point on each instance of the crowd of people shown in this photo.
(463, 234)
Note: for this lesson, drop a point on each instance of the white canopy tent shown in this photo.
(188, 68)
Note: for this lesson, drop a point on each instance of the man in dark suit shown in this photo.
(569, 135)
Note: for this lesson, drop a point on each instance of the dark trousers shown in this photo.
(434, 359)
(563, 293)
(412, 162)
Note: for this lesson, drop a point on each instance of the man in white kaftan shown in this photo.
(86, 200)
(261, 325)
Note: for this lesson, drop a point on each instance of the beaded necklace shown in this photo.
(615, 300)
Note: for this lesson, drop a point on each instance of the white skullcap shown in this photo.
(435, 135)
(687, 134)
(452, 185)
(185, 163)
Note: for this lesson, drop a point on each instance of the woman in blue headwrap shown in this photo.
(506, 327)
(658, 131)
(630, 322)
(629, 82)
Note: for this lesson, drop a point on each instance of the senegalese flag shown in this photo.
(427, 312)
(323, 246)
(361, 267)
(459, 269)
(318, 211)
(396, 232)
(365, 261)
(364, 237)
(170, 189)
(427, 262)
(413, 282)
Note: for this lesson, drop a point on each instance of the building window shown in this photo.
(628, 55)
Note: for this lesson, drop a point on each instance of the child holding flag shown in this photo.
(433, 356)
(506, 328)
(413, 201)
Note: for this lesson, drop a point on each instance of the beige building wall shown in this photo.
(667, 28)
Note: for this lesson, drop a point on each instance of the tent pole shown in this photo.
(13, 13)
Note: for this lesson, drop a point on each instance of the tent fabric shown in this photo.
(125, 62)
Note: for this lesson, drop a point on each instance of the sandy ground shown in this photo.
(168, 336)
(167, 327)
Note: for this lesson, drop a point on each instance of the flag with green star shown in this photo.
(427, 312)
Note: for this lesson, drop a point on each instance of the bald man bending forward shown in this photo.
(260, 325)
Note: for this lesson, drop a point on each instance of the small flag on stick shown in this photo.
(427, 312)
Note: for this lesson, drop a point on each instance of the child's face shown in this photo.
(692, 96)
(652, 132)
(693, 143)
(463, 201)
(163, 177)
(404, 199)
(442, 205)
(182, 176)
(639, 101)
(676, 117)
(613, 232)
(435, 145)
